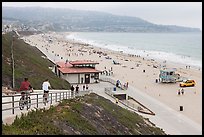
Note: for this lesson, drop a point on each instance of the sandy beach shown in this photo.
(131, 70)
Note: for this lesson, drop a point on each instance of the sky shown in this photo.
(188, 14)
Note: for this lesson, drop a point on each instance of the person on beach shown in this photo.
(117, 83)
(179, 92)
(83, 87)
(182, 91)
(156, 81)
(87, 87)
(125, 86)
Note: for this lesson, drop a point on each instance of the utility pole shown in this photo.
(12, 58)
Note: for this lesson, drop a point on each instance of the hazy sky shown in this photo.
(187, 14)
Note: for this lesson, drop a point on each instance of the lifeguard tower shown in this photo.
(168, 75)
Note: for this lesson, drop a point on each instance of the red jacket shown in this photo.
(25, 85)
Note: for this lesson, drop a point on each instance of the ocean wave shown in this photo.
(150, 54)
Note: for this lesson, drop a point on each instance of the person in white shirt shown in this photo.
(45, 86)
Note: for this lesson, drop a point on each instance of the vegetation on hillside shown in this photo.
(87, 115)
(28, 63)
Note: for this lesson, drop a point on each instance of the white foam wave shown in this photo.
(160, 55)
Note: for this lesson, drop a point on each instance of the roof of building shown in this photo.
(168, 70)
(71, 70)
(68, 67)
(63, 64)
(81, 62)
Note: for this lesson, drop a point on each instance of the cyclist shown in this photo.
(45, 86)
(25, 88)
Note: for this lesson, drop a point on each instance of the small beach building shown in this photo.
(78, 72)
(168, 75)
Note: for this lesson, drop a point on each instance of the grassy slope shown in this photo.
(28, 63)
(88, 115)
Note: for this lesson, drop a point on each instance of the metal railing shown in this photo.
(108, 80)
(112, 81)
(135, 107)
(54, 96)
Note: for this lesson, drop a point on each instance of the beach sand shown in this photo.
(130, 70)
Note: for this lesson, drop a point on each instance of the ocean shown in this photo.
(182, 48)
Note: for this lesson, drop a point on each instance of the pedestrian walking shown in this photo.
(179, 92)
(182, 91)
(83, 87)
(87, 87)
(77, 89)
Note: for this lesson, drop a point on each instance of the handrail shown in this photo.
(112, 81)
(53, 93)
(128, 104)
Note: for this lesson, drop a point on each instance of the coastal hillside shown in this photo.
(55, 19)
(29, 63)
(87, 115)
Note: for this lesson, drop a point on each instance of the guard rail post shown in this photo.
(55, 97)
(60, 96)
(51, 98)
(37, 100)
(66, 95)
(13, 104)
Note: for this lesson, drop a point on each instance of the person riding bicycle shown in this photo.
(45, 86)
(25, 87)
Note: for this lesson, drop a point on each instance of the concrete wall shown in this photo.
(72, 78)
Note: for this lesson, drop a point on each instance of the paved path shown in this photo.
(171, 121)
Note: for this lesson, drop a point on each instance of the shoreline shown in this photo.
(130, 71)
(147, 55)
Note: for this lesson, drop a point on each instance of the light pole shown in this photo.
(12, 58)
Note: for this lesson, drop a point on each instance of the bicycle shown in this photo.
(45, 98)
(25, 101)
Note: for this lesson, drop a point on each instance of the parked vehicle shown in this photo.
(187, 83)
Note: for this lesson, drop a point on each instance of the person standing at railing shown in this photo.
(45, 87)
(72, 91)
(25, 88)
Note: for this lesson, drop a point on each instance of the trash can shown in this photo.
(114, 89)
(181, 108)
